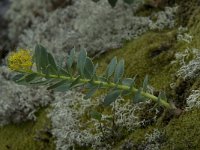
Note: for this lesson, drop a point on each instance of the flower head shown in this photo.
(20, 60)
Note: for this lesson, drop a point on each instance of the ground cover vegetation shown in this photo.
(111, 102)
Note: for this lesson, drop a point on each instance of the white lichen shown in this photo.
(191, 69)
(23, 13)
(72, 125)
(164, 19)
(125, 114)
(67, 127)
(181, 57)
(17, 102)
(95, 26)
(152, 141)
(182, 35)
(193, 101)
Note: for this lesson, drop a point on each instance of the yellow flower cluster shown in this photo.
(20, 60)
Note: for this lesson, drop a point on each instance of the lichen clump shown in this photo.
(21, 60)
(83, 23)
(19, 103)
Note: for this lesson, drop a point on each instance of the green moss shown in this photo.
(22, 136)
(194, 28)
(136, 138)
(183, 132)
(149, 54)
(189, 14)
(139, 135)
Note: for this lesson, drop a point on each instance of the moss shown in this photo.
(194, 28)
(180, 133)
(186, 9)
(183, 132)
(150, 54)
(22, 136)
(136, 138)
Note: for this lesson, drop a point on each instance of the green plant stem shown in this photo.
(108, 85)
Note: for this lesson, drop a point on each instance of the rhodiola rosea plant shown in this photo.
(40, 68)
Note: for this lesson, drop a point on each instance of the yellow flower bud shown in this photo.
(20, 60)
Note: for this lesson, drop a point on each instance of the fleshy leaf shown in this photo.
(52, 65)
(111, 67)
(119, 71)
(38, 57)
(138, 97)
(20, 79)
(128, 81)
(95, 69)
(163, 96)
(91, 92)
(42, 57)
(75, 82)
(89, 68)
(40, 81)
(30, 77)
(111, 97)
(63, 88)
(145, 83)
(56, 84)
(70, 58)
(81, 61)
(45, 62)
